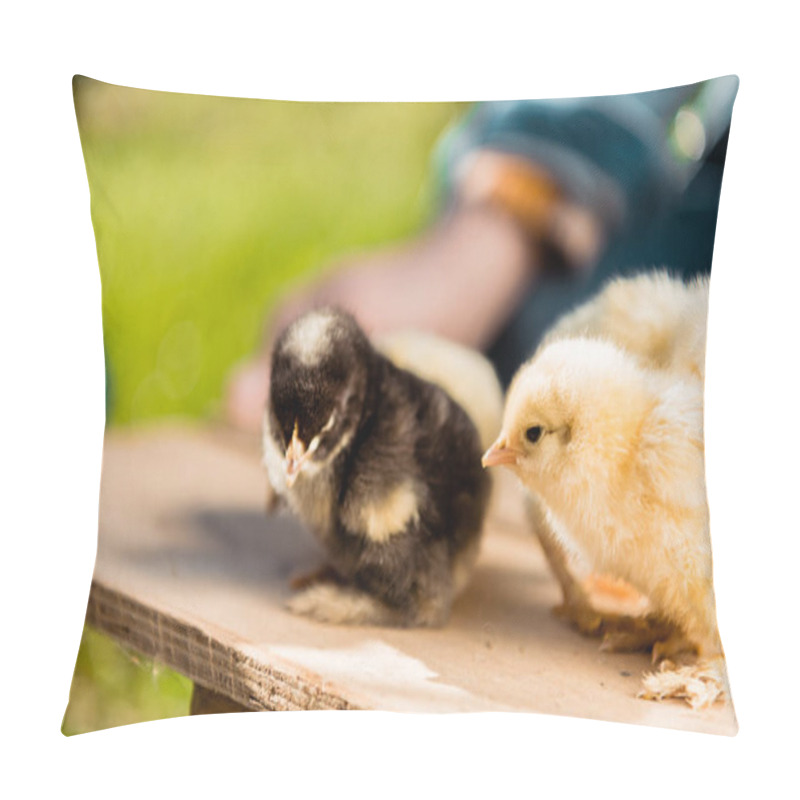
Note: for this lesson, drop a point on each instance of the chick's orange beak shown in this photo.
(499, 453)
(296, 455)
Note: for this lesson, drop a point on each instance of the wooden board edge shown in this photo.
(217, 666)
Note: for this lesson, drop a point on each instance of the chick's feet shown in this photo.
(632, 634)
(578, 612)
(674, 647)
(323, 574)
(620, 633)
(341, 605)
(612, 609)
(700, 685)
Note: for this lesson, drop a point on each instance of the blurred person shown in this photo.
(543, 202)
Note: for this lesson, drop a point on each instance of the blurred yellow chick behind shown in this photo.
(656, 317)
(604, 425)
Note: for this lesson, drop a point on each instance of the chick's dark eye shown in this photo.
(534, 434)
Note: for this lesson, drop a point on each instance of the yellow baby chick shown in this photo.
(655, 316)
(613, 449)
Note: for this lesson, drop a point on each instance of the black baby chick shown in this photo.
(384, 467)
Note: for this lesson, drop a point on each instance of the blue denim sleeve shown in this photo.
(625, 157)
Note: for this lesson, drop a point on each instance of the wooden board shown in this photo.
(192, 572)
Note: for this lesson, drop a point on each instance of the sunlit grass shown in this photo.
(205, 209)
(112, 686)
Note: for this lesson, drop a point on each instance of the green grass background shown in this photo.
(206, 210)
